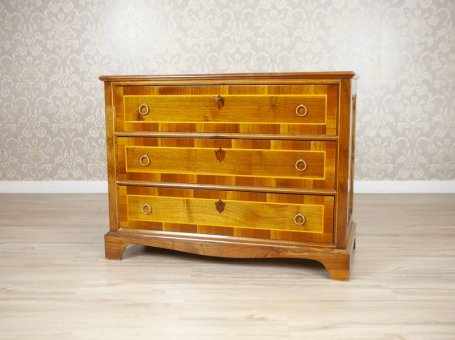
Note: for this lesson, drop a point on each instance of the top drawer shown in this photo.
(268, 109)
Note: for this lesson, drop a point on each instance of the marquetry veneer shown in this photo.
(233, 165)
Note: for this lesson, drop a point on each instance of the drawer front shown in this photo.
(242, 214)
(309, 109)
(275, 163)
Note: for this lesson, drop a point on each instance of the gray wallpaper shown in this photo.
(51, 102)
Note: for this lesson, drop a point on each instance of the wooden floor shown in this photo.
(56, 284)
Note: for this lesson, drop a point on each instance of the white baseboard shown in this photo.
(53, 187)
(404, 187)
(360, 187)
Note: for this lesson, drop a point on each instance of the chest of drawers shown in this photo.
(233, 165)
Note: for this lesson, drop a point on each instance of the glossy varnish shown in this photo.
(241, 108)
(265, 162)
(239, 165)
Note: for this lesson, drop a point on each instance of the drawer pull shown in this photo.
(300, 165)
(301, 110)
(146, 209)
(219, 101)
(299, 219)
(143, 109)
(144, 160)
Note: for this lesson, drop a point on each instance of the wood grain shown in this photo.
(224, 187)
(244, 109)
(269, 163)
(336, 261)
(201, 138)
(235, 214)
(247, 214)
(343, 164)
(111, 155)
(232, 77)
(224, 135)
(234, 108)
(56, 284)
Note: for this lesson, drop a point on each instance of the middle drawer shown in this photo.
(268, 163)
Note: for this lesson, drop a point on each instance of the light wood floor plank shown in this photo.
(56, 284)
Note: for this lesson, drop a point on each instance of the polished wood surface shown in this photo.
(245, 214)
(242, 108)
(224, 187)
(56, 284)
(273, 163)
(232, 77)
(216, 134)
(345, 138)
(191, 107)
(224, 135)
(336, 261)
(111, 155)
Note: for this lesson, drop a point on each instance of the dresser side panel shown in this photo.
(343, 161)
(110, 148)
(352, 150)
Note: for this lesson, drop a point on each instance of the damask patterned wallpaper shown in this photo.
(51, 102)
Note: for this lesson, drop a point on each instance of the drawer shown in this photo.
(293, 109)
(230, 213)
(272, 163)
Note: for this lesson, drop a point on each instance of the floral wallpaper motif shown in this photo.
(52, 52)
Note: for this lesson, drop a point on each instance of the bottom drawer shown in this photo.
(290, 217)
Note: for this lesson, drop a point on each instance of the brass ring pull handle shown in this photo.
(144, 160)
(299, 219)
(300, 165)
(143, 109)
(219, 101)
(146, 209)
(301, 110)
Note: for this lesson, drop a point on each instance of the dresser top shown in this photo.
(233, 76)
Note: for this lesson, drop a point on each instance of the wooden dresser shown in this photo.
(233, 165)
